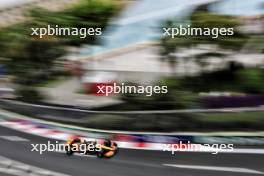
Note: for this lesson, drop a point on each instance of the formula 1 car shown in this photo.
(107, 149)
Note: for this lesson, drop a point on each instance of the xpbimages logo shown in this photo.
(196, 31)
(65, 31)
(189, 147)
(63, 147)
(122, 88)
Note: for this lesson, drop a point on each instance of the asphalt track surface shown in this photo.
(126, 163)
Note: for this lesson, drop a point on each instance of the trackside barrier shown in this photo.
(131, 140)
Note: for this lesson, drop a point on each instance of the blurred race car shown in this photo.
(107, 149)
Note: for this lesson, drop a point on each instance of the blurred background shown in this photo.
(200, 72)
(215, 86)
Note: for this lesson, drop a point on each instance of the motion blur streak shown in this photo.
(127, 162)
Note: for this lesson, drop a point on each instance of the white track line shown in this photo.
(216, 168)
(12, 167)
(248, 150)
(14, 138)
(11, 171)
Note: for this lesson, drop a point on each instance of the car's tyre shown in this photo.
(99, 155)
(69, 152)
(117, 150)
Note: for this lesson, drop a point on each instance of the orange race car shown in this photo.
(107, 149)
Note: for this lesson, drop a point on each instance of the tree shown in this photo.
(29, 58)
(201, 19)
(86, 14)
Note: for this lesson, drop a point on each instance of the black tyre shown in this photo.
(69, 152)
(99, 155)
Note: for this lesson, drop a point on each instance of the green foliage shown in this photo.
(199, 19)
(176, 98)
(30, 58)
(242, 121)
(210, 20)
(26, 55)
(251, 80)
(86, 14)
(230, 79)
(29, 94)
